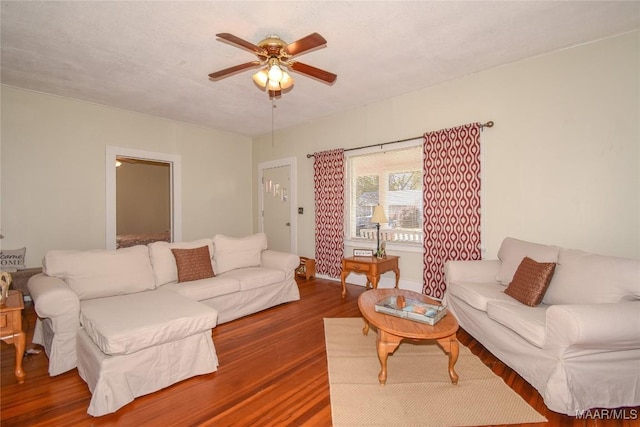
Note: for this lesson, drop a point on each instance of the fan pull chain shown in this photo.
(273, 107)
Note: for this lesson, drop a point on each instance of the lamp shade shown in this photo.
(275, 73)
(286, 81)
(261, 78)
(378, 215)
(273, 85)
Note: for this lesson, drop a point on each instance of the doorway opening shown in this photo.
(143, 197)
(143, 202)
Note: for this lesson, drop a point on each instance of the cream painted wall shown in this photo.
(561, 165)
(53, 172)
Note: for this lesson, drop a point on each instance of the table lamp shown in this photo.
(377, 218)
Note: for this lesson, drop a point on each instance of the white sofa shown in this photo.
(580, 348)
(113, 313)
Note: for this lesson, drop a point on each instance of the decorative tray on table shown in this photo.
(412, 309)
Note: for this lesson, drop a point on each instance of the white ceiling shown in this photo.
(153, 57)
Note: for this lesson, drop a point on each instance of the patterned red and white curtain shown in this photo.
(328, 185)
(451, 202)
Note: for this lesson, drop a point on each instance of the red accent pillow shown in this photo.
(193, 264)
(530, 282)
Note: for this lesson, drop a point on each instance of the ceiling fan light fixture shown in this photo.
(275, 56)
(273, 85)
(275, 73)
(286, 81)
(261, 78)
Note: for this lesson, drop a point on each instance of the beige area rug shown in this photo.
(418, 391)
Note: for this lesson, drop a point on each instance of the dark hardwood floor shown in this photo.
(273, 372)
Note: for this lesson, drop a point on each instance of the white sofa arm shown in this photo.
(481, 271)
(52, 297)
(280, 261)
(596, 326)
(58, 309)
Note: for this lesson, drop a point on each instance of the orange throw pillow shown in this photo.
(193, 264)
(531, 281)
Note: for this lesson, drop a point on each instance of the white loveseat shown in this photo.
(580, 348)
(112, 314)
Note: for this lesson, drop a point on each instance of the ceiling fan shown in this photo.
(274, 55)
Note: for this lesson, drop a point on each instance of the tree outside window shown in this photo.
(405, 181)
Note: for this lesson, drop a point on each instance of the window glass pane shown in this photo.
(404, 181)
(366, 197)
(393, 179)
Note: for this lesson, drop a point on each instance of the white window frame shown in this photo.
(390, 246)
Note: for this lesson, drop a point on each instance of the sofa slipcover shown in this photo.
(581, 346)
(115, 381)
(102, 273)
(164, 265)
(143, 320)
(232, 253)
(58, 305)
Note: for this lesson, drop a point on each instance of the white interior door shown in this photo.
(276, 190)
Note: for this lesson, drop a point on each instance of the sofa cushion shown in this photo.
(255, 277)
(128, 323)
(231, 253)
(587, 278)
(528, 322)
(164, 264)
(530, 281)
(512, 251)
(204, 289)
(193, 264)
(477, 295)
(102, 273)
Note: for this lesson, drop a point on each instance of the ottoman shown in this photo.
(136, 344)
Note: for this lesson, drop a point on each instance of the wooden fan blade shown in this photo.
(237, 41)
(232, 70)
(304, 44)
(313, 72)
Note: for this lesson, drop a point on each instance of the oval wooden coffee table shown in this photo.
(392, 330)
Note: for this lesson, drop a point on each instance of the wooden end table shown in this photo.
(372, 267)
(392, 330)
(11, 330)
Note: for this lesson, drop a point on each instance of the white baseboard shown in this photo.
(386, 282)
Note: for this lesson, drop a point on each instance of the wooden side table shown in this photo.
(11, 330)
(307, 268)
(372, 267)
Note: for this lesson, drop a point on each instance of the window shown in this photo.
(366, 197)
(393, 179)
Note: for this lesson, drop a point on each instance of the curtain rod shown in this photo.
(489, 124)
